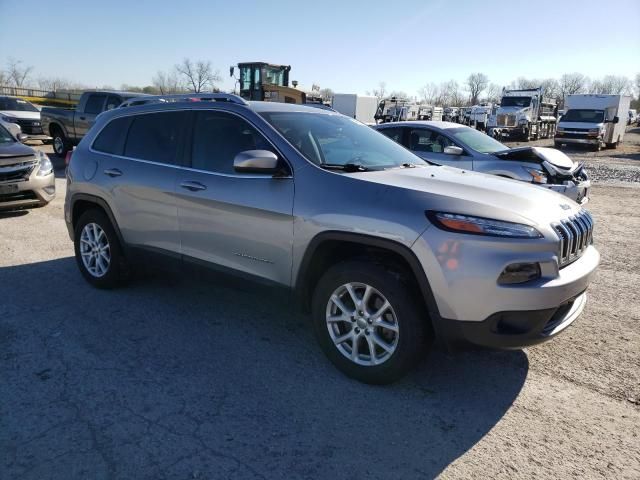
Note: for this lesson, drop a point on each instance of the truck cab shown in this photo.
(525, 114)
(267, 82)
(593, 120)
(68, 126)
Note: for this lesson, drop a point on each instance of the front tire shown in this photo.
(98, 251)
(368, 322)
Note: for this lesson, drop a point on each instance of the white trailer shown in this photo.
(596, 120)
(361, 108)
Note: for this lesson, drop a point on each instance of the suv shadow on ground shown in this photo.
(196, 379)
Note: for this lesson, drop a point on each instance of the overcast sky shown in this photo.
(345, 45)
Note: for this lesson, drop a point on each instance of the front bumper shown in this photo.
(578, 192)
(512, 329)
(43, 138)
(578, 141)
(34, 192)
(463, 272)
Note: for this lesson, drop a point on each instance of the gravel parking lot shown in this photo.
(200, 379)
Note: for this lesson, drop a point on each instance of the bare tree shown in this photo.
(53, 84)
(525, 83)
(199, 76)
(381, 91)
(476, 83)
(493, 93)
(550, 88)
(168, 82)
(399, 94)
(16, 73)
(429, 93)
(612, 85)
(451, 91)
(326, 94)
(572, 83)
(4, 80)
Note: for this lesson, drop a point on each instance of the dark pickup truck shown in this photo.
(68, 126)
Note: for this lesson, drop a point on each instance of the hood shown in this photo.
(537, 155)
(21, 114)
(460, 191)
(9, 152)
(580, 125)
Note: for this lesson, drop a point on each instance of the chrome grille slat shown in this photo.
(575, 235)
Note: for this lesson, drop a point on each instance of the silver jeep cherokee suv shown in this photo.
(386, 251)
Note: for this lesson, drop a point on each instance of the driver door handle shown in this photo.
(113, 172)
(193, 186)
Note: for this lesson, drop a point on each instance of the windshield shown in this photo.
(584, 115)
(5, 136)
(16, 104)
(337, 140)
(476, 140)
(515, 101)
(273, 76)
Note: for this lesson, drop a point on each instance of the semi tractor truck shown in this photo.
(524, 114)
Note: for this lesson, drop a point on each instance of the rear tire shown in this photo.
(394, 352)
(98, 251)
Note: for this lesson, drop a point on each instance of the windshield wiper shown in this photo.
(347, 167)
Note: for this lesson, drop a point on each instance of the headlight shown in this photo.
(537, 176)
(9, 119)
(46, 167)
(453, 222)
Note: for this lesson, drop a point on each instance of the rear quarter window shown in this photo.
(112, 137)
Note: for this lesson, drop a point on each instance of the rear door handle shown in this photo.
(193, 186)
(83, 118)
(113, 172)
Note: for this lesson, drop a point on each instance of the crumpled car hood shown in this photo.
(537, 155)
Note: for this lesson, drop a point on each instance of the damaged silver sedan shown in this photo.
(455, 145)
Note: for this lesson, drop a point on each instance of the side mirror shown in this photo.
(615, 120)
(256, 161)
(453, 151)
(22, 137)
(231, 71)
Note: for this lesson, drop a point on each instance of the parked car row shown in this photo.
(386, 250)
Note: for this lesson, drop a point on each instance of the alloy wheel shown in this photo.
(362, 324)
(95, 250)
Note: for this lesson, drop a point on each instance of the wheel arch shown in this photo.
(82, 202)
(55, 125)
(329, 248)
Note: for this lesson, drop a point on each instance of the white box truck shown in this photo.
(595, 120)
(361, 108)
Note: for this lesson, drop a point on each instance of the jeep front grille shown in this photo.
(576, 234)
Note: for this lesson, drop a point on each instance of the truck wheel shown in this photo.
(60, 143)
(557, 145)
(98, 251)
(368, 322)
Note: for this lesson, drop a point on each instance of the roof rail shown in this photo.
(184, 97)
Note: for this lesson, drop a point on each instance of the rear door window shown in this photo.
(155, 137)
(112, 137)
(95, 103)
